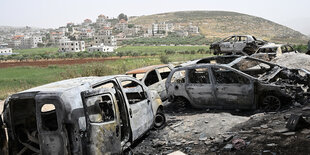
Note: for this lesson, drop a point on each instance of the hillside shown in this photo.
(219, 24)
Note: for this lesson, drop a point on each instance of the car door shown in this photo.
(240, 43)
(228, 44)
(199, 87)
(152, 81)
(102, 118)
(139, 106)
(163, 74)
(232, 89)
(51, 131)
(3, 140)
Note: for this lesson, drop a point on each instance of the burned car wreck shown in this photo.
(242, 83)
(237, 44)
(154, 77)
(89, 115)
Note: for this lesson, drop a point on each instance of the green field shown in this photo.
(160, 49)
(20, 78)
(34, 51)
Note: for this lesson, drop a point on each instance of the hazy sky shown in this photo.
(55, 13)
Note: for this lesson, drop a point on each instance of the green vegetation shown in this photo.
(51, 53)
(20, 78)
(170, 39)
(301, 48)
(156, 50)
(34, 51)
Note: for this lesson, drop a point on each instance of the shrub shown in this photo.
(164, 59)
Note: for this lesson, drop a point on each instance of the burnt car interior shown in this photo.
(164, 72)
(252, 67)
(24, 125)
(198, 75)
(151, 78)
(225, 76)
(134, 91)
(124, 120)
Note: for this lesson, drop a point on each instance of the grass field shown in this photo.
(160, 49)
(35, 51)
(20, 78)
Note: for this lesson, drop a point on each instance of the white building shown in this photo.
(5, 51)
(100, 48)
(162, 27)
(193, 29)
(71, 46)
(31, 42)
(106, 40)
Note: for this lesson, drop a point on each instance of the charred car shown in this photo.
(237, 44)
(242, 83)
(153, 77)
(89, 115)
(270, 51)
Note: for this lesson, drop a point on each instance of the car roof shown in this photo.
(272, 45)
(64, 85)
(145, 69)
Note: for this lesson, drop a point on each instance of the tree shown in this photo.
(122, 16)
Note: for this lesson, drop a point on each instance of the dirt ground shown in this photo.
(213, 132)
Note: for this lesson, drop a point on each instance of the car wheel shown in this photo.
(160, 119)
(271, 103)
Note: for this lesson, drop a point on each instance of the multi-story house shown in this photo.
(71, 46)
(193, 29)
(121, 25)
(31, 42)
(161, 28)
(100, 48)
(106, 40)
(55, 36)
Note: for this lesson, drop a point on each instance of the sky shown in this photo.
(55, 13)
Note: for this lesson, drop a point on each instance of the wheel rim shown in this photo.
(159, 120)
(271, 103)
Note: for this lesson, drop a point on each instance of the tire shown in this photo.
(160, 119)
(271, 103)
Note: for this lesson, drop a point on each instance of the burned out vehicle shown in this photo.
(89, 115)
(237, 44)
(154, 77)
(270, 51)
(244, 83)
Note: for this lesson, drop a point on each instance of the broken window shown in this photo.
(49, 117)
(100, 109)
(178, 77)
(138, 76)
(198, 75)
(134, 91)
(151, 78)
(164, 72)
(225, 76)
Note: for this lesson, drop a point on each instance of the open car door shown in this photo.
(103, 119)
(3, 140)
(52, 135)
